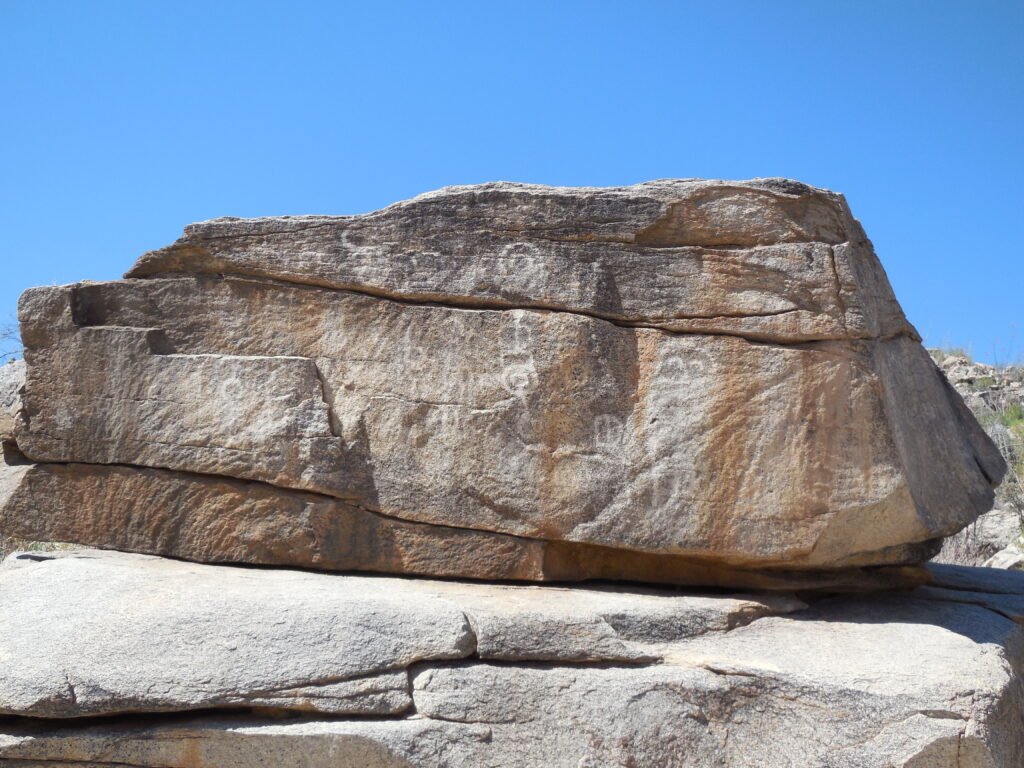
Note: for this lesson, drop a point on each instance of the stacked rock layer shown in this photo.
(122, 660)
(681, 381)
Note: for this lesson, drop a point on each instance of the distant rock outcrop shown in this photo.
(995, 394)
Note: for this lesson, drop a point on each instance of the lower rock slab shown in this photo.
(495, 676)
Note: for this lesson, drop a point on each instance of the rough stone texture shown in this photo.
(187, 636)
(995, 394)
(929, 679)
(220, 520)
(100, 633)
(1010, 557)
(712, 372)
(772, 258)
(12, 377)
(979, 543)
(211, 519)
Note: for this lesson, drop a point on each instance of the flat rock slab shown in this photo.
(91, 633)
(495, 675)
(712, 371)
(97, 633)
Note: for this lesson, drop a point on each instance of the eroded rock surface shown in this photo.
(220, 520)
(12, 378)
(995, 394)
(772, 258)
(681, 381)
(217, 519)
(982, 541)
(500, 675)
(99, 633)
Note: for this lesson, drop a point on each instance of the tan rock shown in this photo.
(575, 427)
(771, 258)
(220, 520)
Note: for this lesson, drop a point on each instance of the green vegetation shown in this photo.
(1012, 417)
(1004, 422)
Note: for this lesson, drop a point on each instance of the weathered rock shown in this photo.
(598, 626)
(976, 579)
(964, 372)
(95, 633)
(188, 636)
(220, 520)
(1010, 557)
(995, 394)
(929, 679)
(979, 542)
(771, 258)
(12, 377)
(231, 742)
(559, 422)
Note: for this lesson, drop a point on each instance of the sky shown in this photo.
(124, 121)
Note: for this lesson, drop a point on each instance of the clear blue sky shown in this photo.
(124, 121)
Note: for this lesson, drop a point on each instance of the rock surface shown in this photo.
(983, 539)
(1010, 557)
(995, 394)
(12, 377)
(220, 520)
(188, 636)
(770, 258)
(680, 381)
(210, 519)
(498, 675)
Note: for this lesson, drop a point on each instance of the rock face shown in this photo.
(1010, 557)
(12, 377)
(396, 672)
(996, 396)
(773, 259)
(681, 381)
(980, 542)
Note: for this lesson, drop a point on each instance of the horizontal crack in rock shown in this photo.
(470, 304)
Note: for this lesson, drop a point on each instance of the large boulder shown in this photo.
(683, 381)
(385, 672)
